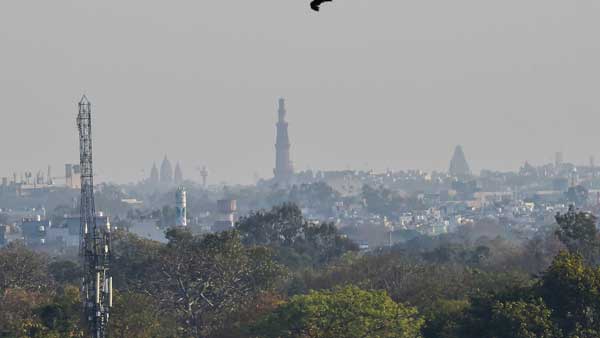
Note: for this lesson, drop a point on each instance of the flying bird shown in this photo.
(315, 4)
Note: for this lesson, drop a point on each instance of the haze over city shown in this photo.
(368, 84)
(299, 169)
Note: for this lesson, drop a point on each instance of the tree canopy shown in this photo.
(279, 275)
(295, 240)
(343, 312)
(578, 231)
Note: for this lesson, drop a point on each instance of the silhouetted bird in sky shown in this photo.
(315, 4)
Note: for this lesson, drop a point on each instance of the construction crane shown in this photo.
(94, 247)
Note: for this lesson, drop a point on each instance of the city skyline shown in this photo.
(282, 120)
(379, 89)
(326, 168)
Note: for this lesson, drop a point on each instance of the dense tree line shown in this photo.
(296, 241)
(278, 275)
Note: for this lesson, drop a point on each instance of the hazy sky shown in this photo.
(369, 83)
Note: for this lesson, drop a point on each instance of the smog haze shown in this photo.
(368, 84)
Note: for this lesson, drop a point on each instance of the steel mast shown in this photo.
(94, 246)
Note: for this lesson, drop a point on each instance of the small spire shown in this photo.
(84, 100)
(281, 109)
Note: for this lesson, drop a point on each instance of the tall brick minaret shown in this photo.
(283, 166)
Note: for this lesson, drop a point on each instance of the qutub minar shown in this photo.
(283, 165)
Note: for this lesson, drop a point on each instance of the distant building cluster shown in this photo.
(38, 231)
(372, 208)
(166, 176)
(517, 204)
(29, 183)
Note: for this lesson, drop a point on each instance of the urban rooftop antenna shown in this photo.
(94, 246)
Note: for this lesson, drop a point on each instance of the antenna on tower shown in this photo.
(94, 246)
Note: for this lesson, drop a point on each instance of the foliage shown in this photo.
(318, 196)
(138, 315)
(35, 314)
(521, 319)
(343, 312)
(410, 279)
(65, 272)
(510, 314)
(382, 201)
(565, 302)
(133, 260)
(444, 317)
(61, 316)
(572, 291)
(17, 307)
(577, 230)
(230, 285)
(262, 304)
(202, 280)
(21, 268)
(457, 253)
(296, 241)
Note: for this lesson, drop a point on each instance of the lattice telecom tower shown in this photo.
(94, 246)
